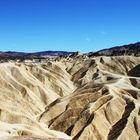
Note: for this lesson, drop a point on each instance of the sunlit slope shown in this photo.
(25, 91)
(81, 98)
(106, 103)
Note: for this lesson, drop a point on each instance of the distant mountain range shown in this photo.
(13, 55)
(131, 49)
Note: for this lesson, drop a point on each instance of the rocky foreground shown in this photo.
(71, 98)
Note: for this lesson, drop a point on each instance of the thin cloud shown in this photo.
(103, 32)
(88, 39)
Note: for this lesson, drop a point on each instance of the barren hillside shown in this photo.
(71, 98)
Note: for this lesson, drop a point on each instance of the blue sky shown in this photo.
(69, 25)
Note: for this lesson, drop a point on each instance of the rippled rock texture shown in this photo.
(71, 98)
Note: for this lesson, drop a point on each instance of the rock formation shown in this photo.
(73, 98)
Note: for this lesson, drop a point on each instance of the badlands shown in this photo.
(79, 98)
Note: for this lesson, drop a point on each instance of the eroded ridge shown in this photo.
(71, 98)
